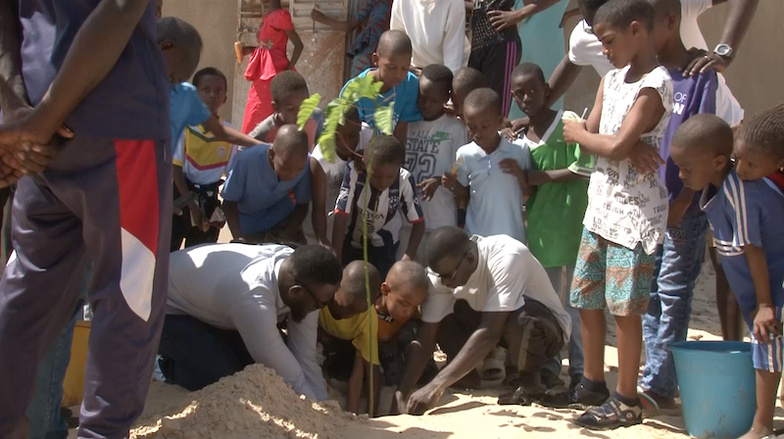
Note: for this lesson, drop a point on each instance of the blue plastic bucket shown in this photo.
(717, 386)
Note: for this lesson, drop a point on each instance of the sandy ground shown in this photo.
(464, 415)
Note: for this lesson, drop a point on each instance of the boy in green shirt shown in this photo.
(556, 208)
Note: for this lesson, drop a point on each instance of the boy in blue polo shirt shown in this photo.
(393, 58)
(95, 67)
(745, 213)
(490, 171)
(267, 192)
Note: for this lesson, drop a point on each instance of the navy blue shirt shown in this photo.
(131, 102)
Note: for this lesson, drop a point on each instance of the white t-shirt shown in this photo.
(506, 274)
(586, 50)
(235, 287)
(431, 148)
(495, 206)
(436, 29)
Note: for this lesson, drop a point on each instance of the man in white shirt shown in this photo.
(498, 277)
(225, 304)
(586, 50)
(436, 28)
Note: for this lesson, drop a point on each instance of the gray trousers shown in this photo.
(109, 201)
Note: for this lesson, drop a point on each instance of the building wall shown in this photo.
(216, 21)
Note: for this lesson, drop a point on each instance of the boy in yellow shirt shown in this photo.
(348, 318)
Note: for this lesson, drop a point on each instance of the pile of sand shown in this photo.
(254, 403)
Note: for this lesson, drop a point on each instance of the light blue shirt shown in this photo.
(262, 199)
(185, 108)
(495, 206)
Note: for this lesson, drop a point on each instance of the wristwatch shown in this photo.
(723, 50)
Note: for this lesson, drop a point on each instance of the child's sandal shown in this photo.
(612, 414)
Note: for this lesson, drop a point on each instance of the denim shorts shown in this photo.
(609, 275)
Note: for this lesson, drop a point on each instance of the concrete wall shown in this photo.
(216, 21)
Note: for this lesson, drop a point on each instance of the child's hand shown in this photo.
(510, 166)
(198, 218)
(572, 129)
(429, 187)
(646, 158)
(449, 181)
(766, 325)
(317, 15)
(509, 133)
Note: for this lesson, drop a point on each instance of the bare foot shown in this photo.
(758, 432)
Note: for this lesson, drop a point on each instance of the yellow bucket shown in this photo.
(73, 386)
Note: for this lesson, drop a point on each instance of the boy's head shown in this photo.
(588, 9)
(529, 88)
(211, 84)
(623, 27)
(449, 256)
(288, 89)
(760, 148)
(701, 147)
(666, 23)
(347, 134)
(435, 85)
(465, 81)
(404, 289)
(388, 156)
(483, 118)
(181, 46)
(289, 152)
(351, 299)
(393, 57)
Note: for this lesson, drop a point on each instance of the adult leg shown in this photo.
(682, 258)
(125, 201)
(195, 354)
(47, 237)
(497, 63)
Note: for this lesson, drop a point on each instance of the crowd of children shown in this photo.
(547, 248)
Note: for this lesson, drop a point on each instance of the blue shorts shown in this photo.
(609, 275)
(769, 356)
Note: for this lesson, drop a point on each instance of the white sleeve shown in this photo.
(256, 319)
(695, 8)
(578, 45)
(178, 159)
(509, 279)
(454, 36)
(302, 344)
(440, 301)
(396, 20)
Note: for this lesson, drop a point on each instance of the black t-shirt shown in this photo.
(131, 102)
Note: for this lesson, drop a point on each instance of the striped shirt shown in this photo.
(203, 158)
(745, 213)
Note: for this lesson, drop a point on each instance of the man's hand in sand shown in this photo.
(424, 398)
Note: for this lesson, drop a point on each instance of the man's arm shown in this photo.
(232, 212)
(228, 134)
(419, 353)
(294, 221)
(95, 50)
(417, 232)
(13, 94)
(454, 39)
(302, 342)
(739, 17)
(561, 79)
(339, 234)
(346, 26)
(481, 342)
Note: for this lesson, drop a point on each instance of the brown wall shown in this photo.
(216, 21)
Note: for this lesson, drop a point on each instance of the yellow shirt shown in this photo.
(355, 329)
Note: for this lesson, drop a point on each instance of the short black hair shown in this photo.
(291, 141)
(439, 74)
(529, 69)
(704, 132)
(765, 132)
(316, 265)
(620, 14)
(354, 283)
(209, 71)
(387, 150)
(483, 99)
(394, 43)
(185, 38)
(468, 79)
(593, 5)
(286, 82)
(445, 241)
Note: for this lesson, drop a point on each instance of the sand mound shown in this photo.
(254, 403)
